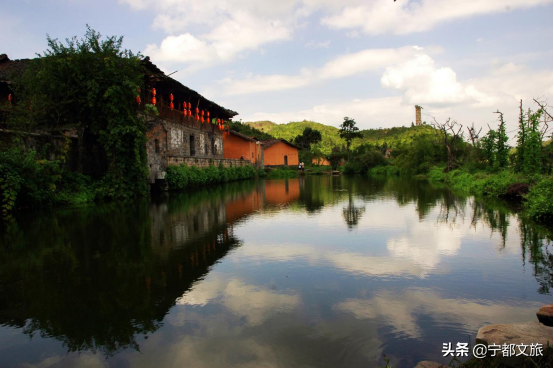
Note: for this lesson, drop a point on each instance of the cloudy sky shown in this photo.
(321, 60)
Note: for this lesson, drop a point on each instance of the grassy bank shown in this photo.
(282, 173)
(181, 177)
(537, 202)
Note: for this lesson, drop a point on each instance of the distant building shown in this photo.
(279, 152)
(239, 146)
(321, 161)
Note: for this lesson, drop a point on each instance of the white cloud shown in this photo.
(340, 67)
(204, 33)
(317, 45)
(423, 83)
(369, 113)
(403, 16)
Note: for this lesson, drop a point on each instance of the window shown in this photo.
(192, 145)
(156, 146)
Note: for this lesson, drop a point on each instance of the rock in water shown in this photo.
(518, 333)
(545, 315)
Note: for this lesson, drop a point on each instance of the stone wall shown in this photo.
(51, 147)
(186, 142)
(205, 162)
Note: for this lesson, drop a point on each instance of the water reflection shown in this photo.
(267, 272)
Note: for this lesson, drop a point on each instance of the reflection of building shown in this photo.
(177, 229)
(238, 208)
(239, 146)
(278, 192)
(279, 152)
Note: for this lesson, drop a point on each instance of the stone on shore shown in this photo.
(429, 364)
(545, 315)
(518, 333)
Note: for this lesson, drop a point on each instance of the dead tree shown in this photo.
(473, 134)
(449, 133)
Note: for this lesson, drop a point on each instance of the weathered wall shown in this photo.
(170, 143)
(275, 155)
(205, 162)
(53, 147)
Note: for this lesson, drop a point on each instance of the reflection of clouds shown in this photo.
(256, 303)
(425, 244)
(277, 252)
(357, 263)
(400, 311)
(202, 292)
(195, 351)
(251, 302)
(81, 360)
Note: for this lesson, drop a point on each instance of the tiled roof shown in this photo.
(242, 136)
(158, 79)
(10, 68)
(272, 142)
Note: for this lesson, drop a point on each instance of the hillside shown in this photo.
(330, 135)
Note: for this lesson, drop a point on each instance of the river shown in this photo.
(308, 272)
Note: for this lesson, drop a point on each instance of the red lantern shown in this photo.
(171, 106)
(202, 119)
(153, 91)
(10, 97)
(171, 97)
(208, 116)
(197, 118)
(189, 106)
(153, 100)
(190, 113)
(138, 99)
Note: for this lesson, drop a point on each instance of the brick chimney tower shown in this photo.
(418, 115)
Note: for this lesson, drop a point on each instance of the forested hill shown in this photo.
(330, 135)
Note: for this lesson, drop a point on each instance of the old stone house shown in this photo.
(185, 129)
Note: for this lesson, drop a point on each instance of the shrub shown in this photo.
(179, 177)
(539, 200)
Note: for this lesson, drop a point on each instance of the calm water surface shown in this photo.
(309, 272)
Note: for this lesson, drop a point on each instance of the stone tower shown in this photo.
(418, 115)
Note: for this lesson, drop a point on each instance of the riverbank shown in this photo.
(183, 176)
(535, 192)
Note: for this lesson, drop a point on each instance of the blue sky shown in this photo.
(320, 59)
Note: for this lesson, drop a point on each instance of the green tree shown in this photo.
(501, 146)
(488, 144)
(91, 85)
(308, 137)
(349, 131)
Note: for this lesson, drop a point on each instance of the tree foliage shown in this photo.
(349, 131)
(90, 84)
(308, 137)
